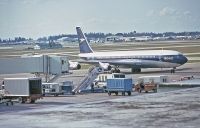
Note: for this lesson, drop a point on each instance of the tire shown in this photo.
(129, 93)
(109, 93)
(23, 101)
(32, 101)
(116, 93)
(123, 93)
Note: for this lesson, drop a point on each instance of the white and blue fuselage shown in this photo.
(137, 59)
(130, 59)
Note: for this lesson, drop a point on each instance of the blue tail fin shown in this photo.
(83, 43)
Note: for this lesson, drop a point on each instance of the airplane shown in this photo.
(129, 59)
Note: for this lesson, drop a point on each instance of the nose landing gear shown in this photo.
(136, 70)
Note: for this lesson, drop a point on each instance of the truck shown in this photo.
(25, 89)
(146, 86)
(56, 89)
(52, 89)
(118, 83)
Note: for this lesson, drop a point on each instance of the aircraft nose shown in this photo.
(184, 60)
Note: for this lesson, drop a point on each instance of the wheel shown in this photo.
(129, 93)
(73, 93)
(138, 70)
(32, 101)
(109, 93)
(146, 91)
(23, 101)
(173, 70)
(123, 93)
(135, 70)
(116, 93)
(140, 90)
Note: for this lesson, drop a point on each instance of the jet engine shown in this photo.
(105, 66)
(74, 65)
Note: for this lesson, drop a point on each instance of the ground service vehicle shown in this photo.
(146, 87)
(118, 83)
(25, 89)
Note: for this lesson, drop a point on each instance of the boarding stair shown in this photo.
(88, 79)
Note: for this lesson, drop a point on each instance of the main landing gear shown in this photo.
(173, 70)
(135, 70)
(115, 70)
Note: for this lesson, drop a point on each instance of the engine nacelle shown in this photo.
(105, 66)
(74, 65)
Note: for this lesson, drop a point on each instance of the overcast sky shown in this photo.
(37, 18)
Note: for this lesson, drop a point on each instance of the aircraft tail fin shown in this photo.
(83, 42)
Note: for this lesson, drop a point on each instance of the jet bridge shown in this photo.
(37, 64)
(88, 80)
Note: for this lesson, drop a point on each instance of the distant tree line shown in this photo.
(130, 34)
(151, 34)
(55, 37)
(89, 35)
(16, 39)
(101, 35)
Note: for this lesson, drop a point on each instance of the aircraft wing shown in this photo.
(117, 62)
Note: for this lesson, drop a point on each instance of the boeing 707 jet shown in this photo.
(129, 59)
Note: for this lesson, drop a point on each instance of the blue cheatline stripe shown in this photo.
(178, 59)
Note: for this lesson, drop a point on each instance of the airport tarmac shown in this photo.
(180, 108)
(170, 107)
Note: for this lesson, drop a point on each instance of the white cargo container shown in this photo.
(35, 64)
(156, 79)
(27, 89)
(101, 80)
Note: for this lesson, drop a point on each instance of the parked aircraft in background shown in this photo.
(129, 59)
